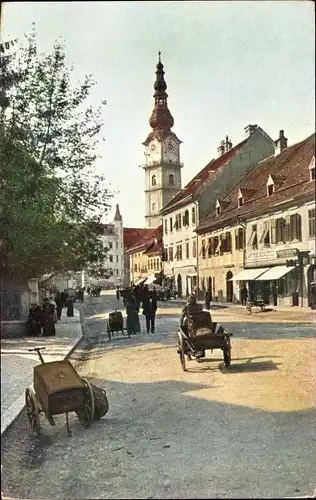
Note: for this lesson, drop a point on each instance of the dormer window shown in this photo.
(218, 208)
(312, 169)
(270, 186)
(240, 199)
(270, 190)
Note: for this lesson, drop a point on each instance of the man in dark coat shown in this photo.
(59, 305)
(149, 309)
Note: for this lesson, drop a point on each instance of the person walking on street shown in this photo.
(59, 305)
(149, 309)
(208, 300)
(70, 308)
(117, 293)
(48, 322)
(132, 320)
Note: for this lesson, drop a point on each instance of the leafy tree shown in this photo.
(52, 201)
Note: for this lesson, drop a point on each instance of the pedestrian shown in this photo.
(59, 305)
(149, 309)
(70, 308)
(117, 293)
(132, 320)
(48, 322)
(208, 300)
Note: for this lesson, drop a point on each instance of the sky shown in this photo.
(228, 64)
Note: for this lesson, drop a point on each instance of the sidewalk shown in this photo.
(17, 363)
(231, 305)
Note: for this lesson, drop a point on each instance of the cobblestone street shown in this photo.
(242, 432)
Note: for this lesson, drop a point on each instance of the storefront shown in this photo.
(278, 277)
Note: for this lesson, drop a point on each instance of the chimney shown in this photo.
(250, 130)
(228, 144)
(221, 148)
(280, 143)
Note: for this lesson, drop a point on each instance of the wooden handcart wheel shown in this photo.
(181, 351)
(32, 411)
(86, 414)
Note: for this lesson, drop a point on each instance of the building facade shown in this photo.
(146, 256)
(162, 152)
(113, 240)
(265, 231)
(182, 214)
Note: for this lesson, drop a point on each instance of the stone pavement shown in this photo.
(17, 363)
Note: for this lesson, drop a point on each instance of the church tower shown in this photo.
(162, 152)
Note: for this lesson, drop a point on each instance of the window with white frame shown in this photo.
(265, 236)
(312, 169)
(194, 249)
(187, 250)
(270, 186)
(240, 199)
(170, 250)
(253, 240)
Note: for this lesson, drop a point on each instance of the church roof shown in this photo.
(117, 215)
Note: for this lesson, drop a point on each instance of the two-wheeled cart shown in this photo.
(59, 389)
(201, 334)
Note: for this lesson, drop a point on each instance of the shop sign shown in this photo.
(261, 255)
(287, 253)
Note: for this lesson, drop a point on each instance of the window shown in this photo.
(135, 268)
(116, 245)
(186, 218)
(218, 248)
(153, 206)
(287, 228)
(270, 189)
(187, 250)
(171, 179)
(295, 227)
(203, 252)
(179, 252)
(166, 226)
(177, 224)
(170, 225)
(111, 258)
(117, 259)
(194, 249)
(193, 215)
(280, 230)
(170, 249)
(265, 237)
(209, 247)
(273, 231)
(253, 240)
(110, 245)
(227, 243)
(239, 238)
(154, 180)
(218, 210)
(240, 200)
(312, 174)
(215, 244)
(311, 223)
(165, 255)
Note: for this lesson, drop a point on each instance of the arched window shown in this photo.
(154, 181)
(171, 179)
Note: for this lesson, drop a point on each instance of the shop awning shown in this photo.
(140, 281)
(275, 273)
(249, 274)
(150, 280)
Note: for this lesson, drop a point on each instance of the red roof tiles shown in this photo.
(133, 235)
(204, 175)
(291, 175)
(146, 239)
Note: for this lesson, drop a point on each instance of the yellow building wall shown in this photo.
(216, 267)
(142, 265)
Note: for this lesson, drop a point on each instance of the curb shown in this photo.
(12, 413)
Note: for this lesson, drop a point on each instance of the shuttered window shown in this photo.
(273, 232)
(295, 227)
(209, 247)
(194, 249)
(280, 230)
(237, 247)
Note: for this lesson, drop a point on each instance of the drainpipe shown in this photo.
(197, 249)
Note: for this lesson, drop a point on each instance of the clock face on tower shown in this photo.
(153, 147)
(171, 146)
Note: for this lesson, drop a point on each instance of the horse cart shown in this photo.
(59, 389)
(115, 323)
(199, 334)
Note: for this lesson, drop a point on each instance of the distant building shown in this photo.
(112, 239)
(146, 256)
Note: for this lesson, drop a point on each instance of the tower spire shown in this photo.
(117, 215)
(161, 118)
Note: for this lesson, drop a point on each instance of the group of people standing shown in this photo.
(41, 319)
(139, 298)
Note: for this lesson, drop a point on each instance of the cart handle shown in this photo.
(38, 349)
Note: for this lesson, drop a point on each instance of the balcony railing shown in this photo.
(161, 163)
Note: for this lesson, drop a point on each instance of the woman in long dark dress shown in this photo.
(70, 307)
(48, 322)
(132, 320)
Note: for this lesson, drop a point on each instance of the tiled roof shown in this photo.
(291, 174)
(133, 235)
(203, 176)
(146, 239)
